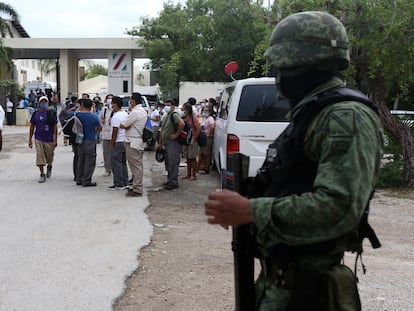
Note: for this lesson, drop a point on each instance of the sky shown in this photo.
(83, 18)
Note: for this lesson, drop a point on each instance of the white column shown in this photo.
(69, 77)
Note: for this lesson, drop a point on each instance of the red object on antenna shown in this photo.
(231, 68)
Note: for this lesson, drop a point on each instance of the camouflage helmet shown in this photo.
(308, 38)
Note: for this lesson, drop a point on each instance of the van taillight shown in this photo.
(233, 144)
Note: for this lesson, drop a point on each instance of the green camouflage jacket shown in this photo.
(346, 141)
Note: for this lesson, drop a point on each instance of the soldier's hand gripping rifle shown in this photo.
(243, 243)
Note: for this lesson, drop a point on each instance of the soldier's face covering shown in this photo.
(295, 83)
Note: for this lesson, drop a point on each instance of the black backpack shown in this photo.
(186, 134)
(67, 130)
(50, 116)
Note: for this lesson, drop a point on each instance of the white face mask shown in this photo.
(109, 101)
(167, 109)
(181, 113)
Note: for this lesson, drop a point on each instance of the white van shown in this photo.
(250, 116)
(125, 103)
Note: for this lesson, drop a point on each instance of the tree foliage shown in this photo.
(47, 66)
(94, 71)
(8, 11)
(6, 53)
(194, 42)
(381, 34)
(5, 58)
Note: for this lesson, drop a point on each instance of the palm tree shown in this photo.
(5, 53)
(47, 66)
(7, 10)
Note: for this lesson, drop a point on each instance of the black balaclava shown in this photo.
(295, 83)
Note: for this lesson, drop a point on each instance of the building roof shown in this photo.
(89, 48)
(19, 28)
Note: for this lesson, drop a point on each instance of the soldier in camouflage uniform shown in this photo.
(314, 193)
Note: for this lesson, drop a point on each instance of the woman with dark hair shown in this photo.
(204, 154)
(190, 150)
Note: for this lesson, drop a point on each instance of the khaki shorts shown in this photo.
(44, 153)
(190, 151)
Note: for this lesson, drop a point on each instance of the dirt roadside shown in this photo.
(188, 266)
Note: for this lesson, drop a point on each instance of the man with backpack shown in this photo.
(309, 200)
(171, 127)
(106, 134)
(87, 147)
(44, 126)
(64, 117)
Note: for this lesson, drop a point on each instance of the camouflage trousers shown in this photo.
(270, 297)
(313, 283)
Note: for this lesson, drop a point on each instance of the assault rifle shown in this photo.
(243, 243)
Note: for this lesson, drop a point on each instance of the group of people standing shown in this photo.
(121, 140)
(173, 124)
(121, 135)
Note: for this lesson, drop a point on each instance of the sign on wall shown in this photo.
(120, 73)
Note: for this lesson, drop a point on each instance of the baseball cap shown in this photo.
(43, 98)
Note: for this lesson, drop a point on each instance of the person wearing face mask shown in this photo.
(190, 150)
(134, 125)
(204, 153)
(155, 119)
(171, 127)
(43, 125)
(309, 201)
(105, 118)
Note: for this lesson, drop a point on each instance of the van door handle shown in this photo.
(254, 136)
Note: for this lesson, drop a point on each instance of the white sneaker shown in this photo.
(113, 187)
(106, 174)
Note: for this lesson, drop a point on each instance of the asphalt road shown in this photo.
(63, 247)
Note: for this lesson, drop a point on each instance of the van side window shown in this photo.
(259, 103)
(225, 101)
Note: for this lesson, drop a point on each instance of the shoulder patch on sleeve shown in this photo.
(341, 123)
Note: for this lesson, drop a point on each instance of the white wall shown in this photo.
(199, 90)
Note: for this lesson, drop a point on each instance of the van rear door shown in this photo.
(261, 117)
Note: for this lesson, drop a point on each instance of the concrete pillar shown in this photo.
(68, 74)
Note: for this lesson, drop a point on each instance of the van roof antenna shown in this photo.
(231, 68)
